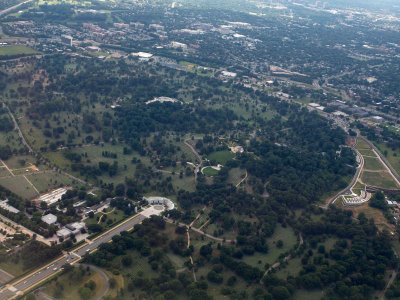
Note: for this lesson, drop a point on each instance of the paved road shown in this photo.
(4, 11)
(352, 183)
(39, 275)
(16, 126)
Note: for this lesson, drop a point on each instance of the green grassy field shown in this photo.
(47, 181)
(4, 172)
(221, 157)
(71, 283)
(236, 175)
(393, 156)
(289, 241)
(367, 152)
(379, 179)
(373, 164)
(16, 50)
(20, 161)
(361, 144)
(210, 171)
(19, 186)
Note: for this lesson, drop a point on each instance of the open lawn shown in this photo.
(372, 163)
(380, 179)
(210, 171)
(367, 152)
(19, 186)
(67, 285)
(115, 216)
(4, 172)
(47, 181)
(16, 50)
(236, 175)
(393, 156)
(13, 267)
(20, 161)
(361, 144)
(289, 241)
(369, 212)
(221, 157)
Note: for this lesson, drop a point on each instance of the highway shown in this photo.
(33, 279)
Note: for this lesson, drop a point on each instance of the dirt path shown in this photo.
(197, 167)
(8, 169)
(34, 187)
(277, 264)
(241, 181)
(103, 213)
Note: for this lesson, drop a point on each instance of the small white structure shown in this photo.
(313, 105)
(160, 200)
(64, 233)
(237, 149)
(49, 219)
(377, 119)
(143, 55)
(229, 74)
(6, 206)
(163, 100)
(391, 203)
(321, 108)
(340, 114)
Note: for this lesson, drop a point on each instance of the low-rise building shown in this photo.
(64, 233)
(160, 200)
(49, 219)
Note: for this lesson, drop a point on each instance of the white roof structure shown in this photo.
(160, 200)
(6, 206)
(229, 74)
(64, 233)
(53, 196)
(162, 100)
(143, 54)
(49, 219)
(315, 105)
(320, 107)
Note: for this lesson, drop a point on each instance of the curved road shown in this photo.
(198, 167)
(353, 181)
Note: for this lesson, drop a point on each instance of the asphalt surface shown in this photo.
(45, 272)
(347, 190)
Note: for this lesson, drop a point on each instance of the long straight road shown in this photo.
(4, 11)
(33, 279)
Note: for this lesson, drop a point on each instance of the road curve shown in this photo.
(353, 181)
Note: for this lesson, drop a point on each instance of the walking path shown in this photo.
(277, 264)
(241, 181)
(197, 167)
(34, 187)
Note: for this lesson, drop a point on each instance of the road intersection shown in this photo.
(27, 283)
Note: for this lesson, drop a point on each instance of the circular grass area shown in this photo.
(209, 171)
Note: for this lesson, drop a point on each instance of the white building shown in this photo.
(6, 206)
(377, 119)
(52, 197)
(64, 233)
(163, 100)
(49, 219)
(229, 74)
(160, 200)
